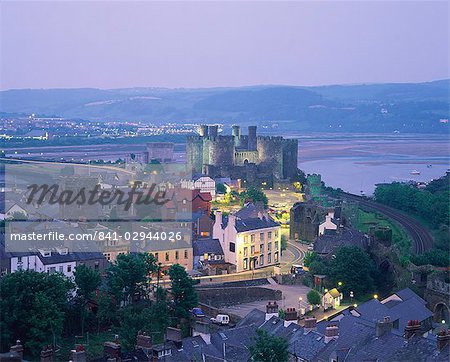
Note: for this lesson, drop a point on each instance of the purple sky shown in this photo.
(206, 44)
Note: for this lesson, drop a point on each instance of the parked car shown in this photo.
(297, 269)
(198, 312)
(222, 319)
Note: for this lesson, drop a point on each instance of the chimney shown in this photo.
(47, 354)
(412, 328)
(144, 342)
(310, 324)
(111, 350)
(174, 335)
(202, 329)
(443, 340)
(17, 348)
(331, 332)
(271, 310)
(383, 327)
(218, 215)
(291, 316)
(78, 354)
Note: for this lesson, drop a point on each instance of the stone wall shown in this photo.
(222, 297)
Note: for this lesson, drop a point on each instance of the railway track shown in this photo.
(421, 237)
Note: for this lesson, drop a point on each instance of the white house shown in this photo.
(250, 238)
(328, 224)
(203, 183)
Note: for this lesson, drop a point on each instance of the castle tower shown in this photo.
(213, 131)
(236, 132)
(252, 138)
(203, 130)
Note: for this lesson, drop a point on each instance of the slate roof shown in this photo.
(251, 217)
(207, 246)
(329, 241)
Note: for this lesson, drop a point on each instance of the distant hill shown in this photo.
(407, 107)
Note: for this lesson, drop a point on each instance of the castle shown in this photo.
(249, 157)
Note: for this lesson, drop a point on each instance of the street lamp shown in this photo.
(340, 284)
(375, 296)
(351, 296)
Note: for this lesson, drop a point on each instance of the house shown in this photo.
(345, 337)
(203, 183)
(327, 243)
(329, 224)
(331, 299)
(250, 238)
(207, 251)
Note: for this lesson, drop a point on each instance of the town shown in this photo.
(245, 250)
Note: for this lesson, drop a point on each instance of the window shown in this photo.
(167, 256)
(276, 234)
(261, 248)
(252, 249)
(261, 259)
(269, 235)
(19, 259)
(52, 269)
(275, 256)
(269, 258)
(246, 239)
(186, 254)
(252, 238)
(157, 256)
(276, 245)
(269, 246)
(176, 254)
(261, 236)
(233, 247)
(245, 264)
(245, 251)
(69, 268)
(61, 269)
(96, 265)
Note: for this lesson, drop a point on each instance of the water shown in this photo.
(358, 163)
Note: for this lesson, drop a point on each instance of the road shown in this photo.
(421, 237)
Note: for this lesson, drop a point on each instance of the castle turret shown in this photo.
(213, 131)
(252, 138)
(236, 132)
(203, 130)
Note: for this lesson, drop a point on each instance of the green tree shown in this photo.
(313, 297)
(129, 275)
(353, 267)
(220, 188)
(87, 281)
(32, 308)
(284, 242)
(268, 348)
(183, 291)
(255, 195)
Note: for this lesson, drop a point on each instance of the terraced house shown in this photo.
(250, 238)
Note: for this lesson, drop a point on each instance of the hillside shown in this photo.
(412, 107)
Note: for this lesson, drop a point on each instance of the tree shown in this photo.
(313, 297)
(32, 308)
(353, 267)
(184, 295)
(255, 195)
(129, 275)
(268, 348)
(284, 242)
(87, 281)
(221, 189)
